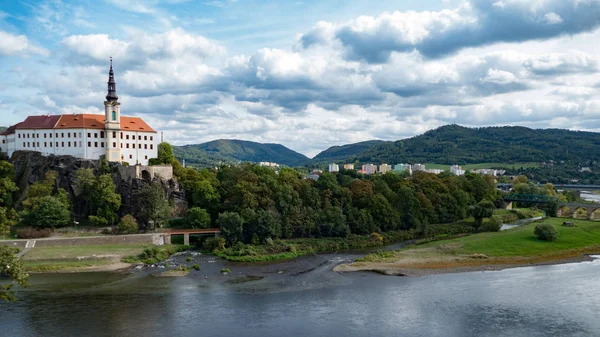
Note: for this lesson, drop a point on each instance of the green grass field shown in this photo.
(74, 252)
(514, 245)
(483, 166)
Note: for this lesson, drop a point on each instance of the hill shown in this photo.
(341, 153)
(225, 151)
(454, 144)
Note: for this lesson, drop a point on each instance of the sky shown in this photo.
(306, 74)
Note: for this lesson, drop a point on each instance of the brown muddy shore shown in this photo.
(397, 269)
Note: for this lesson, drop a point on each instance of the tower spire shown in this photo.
(112, 86)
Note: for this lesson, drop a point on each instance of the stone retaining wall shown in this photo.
(156, 239)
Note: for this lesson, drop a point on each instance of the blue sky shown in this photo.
(306, 74)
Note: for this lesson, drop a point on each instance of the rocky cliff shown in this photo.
(31, 167)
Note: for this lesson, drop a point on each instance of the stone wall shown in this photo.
(156, 239)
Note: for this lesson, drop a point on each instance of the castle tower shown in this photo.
(112, 112)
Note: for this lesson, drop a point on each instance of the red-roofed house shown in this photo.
(88, 136)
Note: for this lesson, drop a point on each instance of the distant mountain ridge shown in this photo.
(343, 152)
(454, 144)
(449, 144)
(230, 151)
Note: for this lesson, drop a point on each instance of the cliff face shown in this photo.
(30, 167)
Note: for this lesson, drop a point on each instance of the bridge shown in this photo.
(575, 210)
(186, 234)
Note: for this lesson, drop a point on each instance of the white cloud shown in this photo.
(18, 45)
(553, 18)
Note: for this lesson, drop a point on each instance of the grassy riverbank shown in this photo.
(517, 246)
(71, 258)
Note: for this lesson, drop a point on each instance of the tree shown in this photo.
(48, 211)
(165, 153)
(483, 209)
(197, 217)
(152, 205)
(11, 266)
(99, 193)
(7, 188)
(545, 232)
(232, 227)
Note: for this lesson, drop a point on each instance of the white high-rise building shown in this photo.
(87, 136)
(457, 170)
(383, 168)
(333, 167)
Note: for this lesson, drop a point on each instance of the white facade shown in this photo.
(457, 170)
(369, 169)
(348, 166)
(333, 167)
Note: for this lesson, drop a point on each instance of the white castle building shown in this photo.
(87, 136)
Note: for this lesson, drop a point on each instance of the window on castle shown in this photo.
(28, 144)
(62, 135)
(102, 144)
(151, 147)
(139, 137)
(102, 134)
(45, 144)
(139, 146)
(151, 138)
(56, 144)
(130, 156)
(114, 134)
(69, 135)
(114, 115)
(121, 145)
(121, 135)
(19, 135)
(145, 137)
(145, 146)
(23, 144)
(146, 157)
(126, 136)
(27, 135)
(95, 144)
(3, 141)
(89, 144)
(44, 135)
(69, 144)
(80, 144)
(62, 144)
(127, 145)
(38, 144)
(89, 135)
(95, 135)
(114, 144)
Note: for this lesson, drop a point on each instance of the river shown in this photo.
(305, 298)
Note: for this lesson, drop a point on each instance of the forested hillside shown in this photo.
(337, 153)
(226, 151)
(453, 144)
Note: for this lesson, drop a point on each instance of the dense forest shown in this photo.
(225, 151)
(454, 144)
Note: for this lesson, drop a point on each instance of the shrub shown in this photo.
(196, 266)
(545, 232)
(97, 221)
(492, 225)
(128, 225)
(214, 244)
(189, 259)
(225, 270)
(376, 237)
(33, 233)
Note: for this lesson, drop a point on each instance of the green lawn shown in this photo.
(482, 166)
(521, 241)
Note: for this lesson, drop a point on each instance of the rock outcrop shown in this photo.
(30, 167)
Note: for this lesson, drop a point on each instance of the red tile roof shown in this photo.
(77, 121)
(39, 122)
(135, 124)
(81, 121)
(91, 121)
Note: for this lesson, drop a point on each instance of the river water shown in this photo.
(305, 298)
